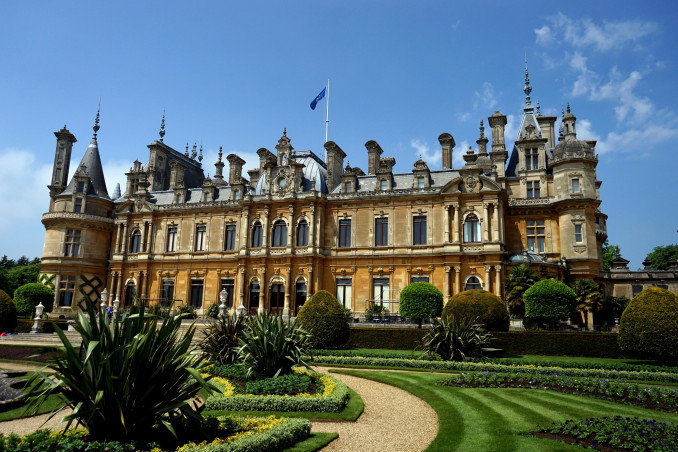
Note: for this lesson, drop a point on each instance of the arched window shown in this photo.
(279, 233)
(135, 244)
(256, 235)
(473, 283)
(302, 233)
(472, 229)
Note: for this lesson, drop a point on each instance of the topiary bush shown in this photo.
(481, 304)
(28, 296)
(421, 300)
(548, 301)
(7, 313)
(649, 325)
(325, 319)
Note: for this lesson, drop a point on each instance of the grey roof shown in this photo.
(572, 147)
(404, 181)
(314, 169)
(526, 256)
(92, 162)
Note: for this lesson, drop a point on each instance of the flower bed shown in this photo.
(648, 397)
(330, 396)
(617, 433)
(495, 367)
(579, 365)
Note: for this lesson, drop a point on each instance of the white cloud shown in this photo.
(638, 140)
(455, 25)
(463, 117)
(486, 97)
(511, 130)
(432, 157)
(458, 154)
(585, 33)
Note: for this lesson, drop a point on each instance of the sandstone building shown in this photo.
(300, 223)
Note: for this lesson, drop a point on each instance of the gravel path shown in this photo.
(393, 420)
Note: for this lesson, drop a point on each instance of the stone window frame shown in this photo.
(479, 283)
(72, 242)
(205, 237)
(231, 225)
(424, 215)
(302, 220)
(386, 239)
(175, 245)
(285, 228)
(256, 222)
(464, 219)
(345, 217)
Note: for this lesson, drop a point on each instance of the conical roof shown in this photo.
(92, 163)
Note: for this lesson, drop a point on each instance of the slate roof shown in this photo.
(92, 162)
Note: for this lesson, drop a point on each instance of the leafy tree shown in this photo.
(420, 300)
(609, 253)
(7, 313)
(518, 281)
(325, 319)
(6, 262)
(28, 296)
(661, 255)
(548, 301)
(589, 297)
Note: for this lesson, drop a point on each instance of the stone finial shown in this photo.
(96, 122)
(162, 126)
(200, 156)
(186, 153)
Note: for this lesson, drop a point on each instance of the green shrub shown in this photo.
(518, 281)
(222, 337)
(188, 310)
(453, 338)
(548, 301)
(213, 311)
(421, 300)
(649, 325)
(290, 384)
(325, 319)
(7, 313)
(126, 377)
(391, 338)
(270, 346)
(481, 304)
(28, 296)
(375, 310)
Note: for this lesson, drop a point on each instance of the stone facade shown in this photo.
(301, 223)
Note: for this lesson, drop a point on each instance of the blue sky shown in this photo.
(401, 73)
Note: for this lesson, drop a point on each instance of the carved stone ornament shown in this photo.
(472, 184)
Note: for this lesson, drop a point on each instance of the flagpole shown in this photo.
(327, 116)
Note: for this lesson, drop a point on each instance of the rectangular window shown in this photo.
(167, 295)
(228, 284)
(196, 293)
(578, 235)
(347, 187)
(81, 187)
(299, 296)
(66, 290)
(254, 297)
(420, 278)
(77, 206)
(380, 290)
(420, 182)
(200, 232)
(171, 239)
(531, 159)
(344, 233)
(383, 185)
(636, 288)
(230, 237)
(533, 190)
(535, 236)
(575, 185)
(302, 233)
(381, 231)
(72, 243)
(344, 292)
(419, 230)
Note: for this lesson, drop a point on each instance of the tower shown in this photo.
(62, 161)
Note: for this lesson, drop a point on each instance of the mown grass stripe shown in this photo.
(510, 401)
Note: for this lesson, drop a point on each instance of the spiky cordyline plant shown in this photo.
(127, 377)
(220, 343)
(454, 338)
(271, 346)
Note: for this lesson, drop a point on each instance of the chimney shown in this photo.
(373, 153)
(235, 164)
(335, 164)
(447, 143)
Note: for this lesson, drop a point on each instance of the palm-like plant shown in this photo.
(222, 338)
(127, 377)
(453, 338)
(517, 282)
(271, 346)
(589, 297)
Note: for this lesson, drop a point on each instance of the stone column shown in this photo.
(486, 221)
(144, 242)
(118, 289)
(244, 230)
(262, 290)
(123, 242)
(264, 242)
(457, 279)
(288, 289)
(497, 280)
(447, 238)
(487, 278)
(290, 229)
(140, 282)
(309, 286)
(458, 233)
(446, 284)
(311, 228)
(241, 287)
(495, 222)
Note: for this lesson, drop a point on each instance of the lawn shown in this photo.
(490, 419)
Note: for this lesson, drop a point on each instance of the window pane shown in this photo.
(256, 235)
(419, 230)
(171, 238)
(344, 232)
(302, 233)
(420, 279)
(196, 293)
(381, 231)
(575, 185)
(230, 237)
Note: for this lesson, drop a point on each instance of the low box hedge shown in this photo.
(391, 338)
(332, 404)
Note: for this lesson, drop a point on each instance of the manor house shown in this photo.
(299, 223)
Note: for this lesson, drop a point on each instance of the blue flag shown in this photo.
(317, 98)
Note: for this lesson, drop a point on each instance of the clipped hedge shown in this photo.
(570, 343)
(325, 319)
(391, 338)
(279, 437)
(28, 296)
(649, 325)
(7, 313)
(486, 306)
(420, 300)
(549, 300)
(332, 404)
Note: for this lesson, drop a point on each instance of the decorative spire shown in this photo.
(568, 108)
(96, 122)
(482, 129)
(220, 153)
(200, 156)
(538, 108)
(162, 126)
(194, 152)
(527, 89)
(186, 153)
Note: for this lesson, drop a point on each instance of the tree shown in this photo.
(548, 301)
(420, 300)
(589, 298)
(325, 319)
(609, 253)
(517, 282)
(28, 296)
(661, 255)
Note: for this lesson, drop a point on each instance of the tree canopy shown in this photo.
(661, 255)
(609, 253)
(517, 282)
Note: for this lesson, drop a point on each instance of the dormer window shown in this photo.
(179, 199)
(81, 187)
(575, 185)
(383, 185)
(207, 197)
(347, 187)
(531, 159)
(421, 183)
(236, 194)
(77, 205)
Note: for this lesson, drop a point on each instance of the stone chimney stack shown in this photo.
(235, 164)
(447, 143)
(374, 152)
(498, 155)
(335, 164)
